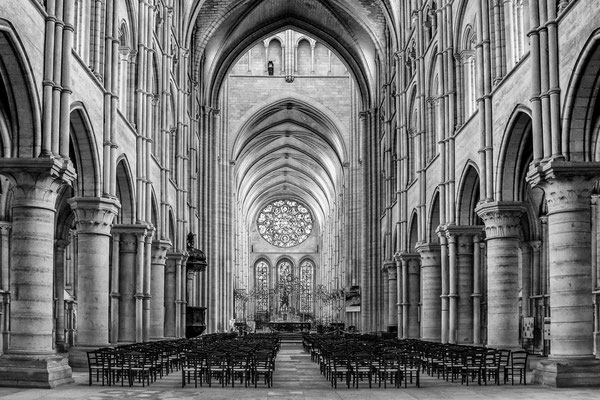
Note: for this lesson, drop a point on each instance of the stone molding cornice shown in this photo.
(94, 215)
(405, 256)
(502, 219)
(567, 184)
(451, 231)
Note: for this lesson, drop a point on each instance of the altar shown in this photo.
(285, 326)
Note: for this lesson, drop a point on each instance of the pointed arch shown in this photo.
(413, 232)
(582, 105)
(468, 196)
(516, 153)
(83, 153)
(125, 192)
(434, 219)
(20, 109)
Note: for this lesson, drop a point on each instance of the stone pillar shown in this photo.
(59, 293)
(452, 290)
(503, 230)
(147, 286)
(414, 296)
(93, 219)
(392, 311)
(157, 289)
(31, 360)
(431, 291)
(127, 288)
(445, 313)
(169, 292)
(461, 279)
(477, 290)
(399, 294)
(411, 293)
(568, 186)
(139, 287)
(115, 295)
(5, 282)
(464, 280)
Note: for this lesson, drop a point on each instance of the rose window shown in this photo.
(285, 223)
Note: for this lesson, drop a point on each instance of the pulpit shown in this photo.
(195, 321)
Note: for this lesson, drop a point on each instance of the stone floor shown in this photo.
(296, 378)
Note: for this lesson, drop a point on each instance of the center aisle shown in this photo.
(295, 370)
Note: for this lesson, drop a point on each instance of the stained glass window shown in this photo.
(306, 286)
(285, 278)
(285, 223)
(262, 286)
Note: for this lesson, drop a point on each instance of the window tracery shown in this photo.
(285, 223)
(306, 286)
(262, 286)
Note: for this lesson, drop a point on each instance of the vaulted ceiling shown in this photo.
(292, 147)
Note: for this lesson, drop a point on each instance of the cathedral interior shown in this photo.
(424, 168)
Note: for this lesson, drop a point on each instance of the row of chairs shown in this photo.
(144, 363)
(352, 357)
(356, 361)
(247, 367)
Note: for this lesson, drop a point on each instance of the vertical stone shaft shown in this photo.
(392, 295)
(502, 227)
(94, 218)
(464, 261)
(414, 297)
(157, 288)
(445, 320)
(169, 290)
(127, 288)
(452, 290)
(431, 304)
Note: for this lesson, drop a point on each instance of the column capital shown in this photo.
(132, 229)
(405, 256)
(426, 247)
(567, 184)
(36, 181)
(5, 227)
(94, 214)
(159, 251)
(502, 219)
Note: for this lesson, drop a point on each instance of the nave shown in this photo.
(296, 377)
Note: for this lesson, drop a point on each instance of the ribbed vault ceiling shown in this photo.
(291, 148)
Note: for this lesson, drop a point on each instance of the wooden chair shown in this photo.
(517, 366)
(389, 369)
(262, 365)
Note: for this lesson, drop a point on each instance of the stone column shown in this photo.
(5, 228)
(127, 287)
(157, 289)
(503, 230)
(445, 313)
(147, 285)
(411, 292)
(414, 296)
(59, 293)
(399, 294)
(115, 295)
(31, 360)
(431, 291)
(169, 293)
(452, 289)
(568, 186)
(390, 267)
(93, 219)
